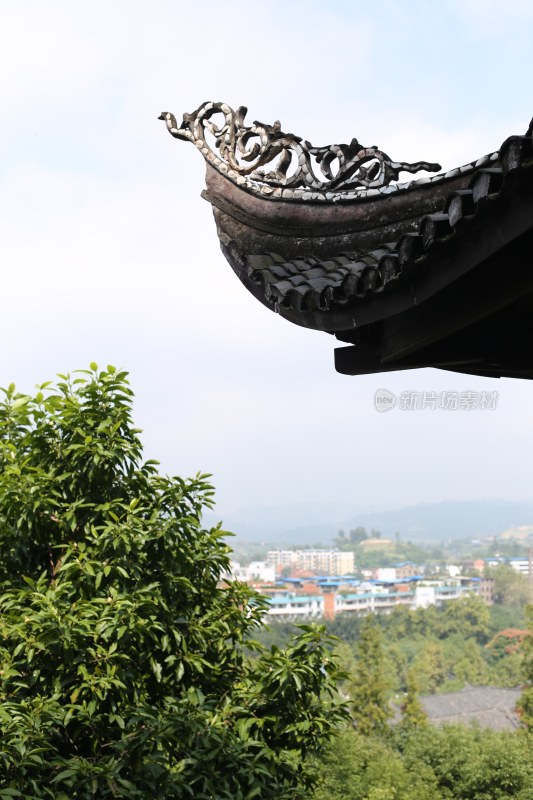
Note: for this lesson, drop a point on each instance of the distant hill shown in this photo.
(269, 523)
(376, 544)
(427, 522)
(522, 533)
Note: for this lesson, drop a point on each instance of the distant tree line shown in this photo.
(412, 760)
(443, 648)
(389, 554)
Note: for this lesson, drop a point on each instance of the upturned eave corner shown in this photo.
(424, 272)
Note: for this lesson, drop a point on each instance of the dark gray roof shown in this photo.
(488, 706)
(321, 284)
(308, 283)
(432, 273)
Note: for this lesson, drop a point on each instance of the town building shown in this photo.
(330, 597)
(281, 558)
(291, 606)
(398, 572)
(318, 561)
(486, 589)
(476, 564)
(255, 572)
(406, 569)
(522, 565)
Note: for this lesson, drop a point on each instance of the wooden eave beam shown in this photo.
(475, 326)
(494, 284)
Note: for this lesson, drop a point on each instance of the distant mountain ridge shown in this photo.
(426, 522)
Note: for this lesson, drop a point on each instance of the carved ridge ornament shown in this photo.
(297, 170)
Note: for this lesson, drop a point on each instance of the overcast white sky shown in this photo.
(109, 254)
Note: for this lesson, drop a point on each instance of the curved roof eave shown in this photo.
(346, 250)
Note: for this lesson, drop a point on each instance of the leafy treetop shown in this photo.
(124, 661)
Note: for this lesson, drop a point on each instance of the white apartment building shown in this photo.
(372, 602)
(292, 606)
(256, 571)
(521, 565)
(386, 574)
(322, 562)
(370, 598)
(281, 558)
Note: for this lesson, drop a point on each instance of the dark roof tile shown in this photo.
(434, 227)
(460, 206)
(260, 261)
(310, 283)
(486, 183)
(488, 706)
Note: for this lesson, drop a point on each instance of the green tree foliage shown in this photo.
(413, 714)
(468, 616)
(358, 767)
(511, 588)
(430, 667)
(503, 617)
(446, 647)
(472, 764)
(358, 535)
(526, 701)
(355, 537)
(450, 763)
(123, 665)
(370, 692)
(470, 666)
